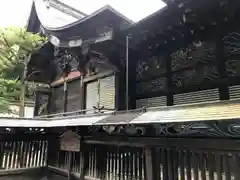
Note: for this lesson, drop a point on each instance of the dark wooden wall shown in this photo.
(202, 54)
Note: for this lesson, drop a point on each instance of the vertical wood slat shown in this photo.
(115, 163)
(188, 165)
(195, 166)
(15, 149)
(41, 146)
(219, 166)
(37, 153)
(20, 154)
(10, 155)
(182, 165)
(44, 153)
(127, 164)
(226, 167)
(33, 153)
(29, 154)
(149, 164)
(120, 163)
(112, 164)
(6, 155)
(140, 165)
(24, 154)
(169, 164)
(175, 163)
(202, 166)
(131, 164)
(108, 165)
(135, 164)
(236, 165)
(1, 154)
(164, 163)
(210, 166)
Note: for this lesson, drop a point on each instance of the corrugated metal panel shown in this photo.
(120, 118)
(76, 121)
(91, 95)
(196, 97)
(234, 92)
(152, 102)
(107, 92)
(222, 110)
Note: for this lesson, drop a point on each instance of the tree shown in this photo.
(16, 47)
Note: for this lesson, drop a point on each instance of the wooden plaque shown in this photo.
(70, 141)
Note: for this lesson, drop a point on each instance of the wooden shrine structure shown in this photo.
(153, 100)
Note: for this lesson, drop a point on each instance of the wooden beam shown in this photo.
(21, 171)
(230, 144)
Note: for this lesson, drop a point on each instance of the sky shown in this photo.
(16, 12)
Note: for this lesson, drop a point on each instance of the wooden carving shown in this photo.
(159, 84)
(151, 67)
(232, 49)
(196, 53)
(195, 76)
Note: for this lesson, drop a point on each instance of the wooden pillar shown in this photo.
(70, 158)
(120, 91)
(52, 152)
(37, 103)
(117, 94)
(85, 160)
(148, 166)
(169, 79)
(49, 103)
(132, 79)
(65, 97)
(236, 166)
(101, 160)
(82, 92)
(221, 64)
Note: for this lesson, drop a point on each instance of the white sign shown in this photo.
(70, 141)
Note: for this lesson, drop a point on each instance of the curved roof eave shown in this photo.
(107, 7)
(94, 14)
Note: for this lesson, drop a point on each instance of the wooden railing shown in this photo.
(26, 152)
(178, 159)
(102, 162)
(113, 158)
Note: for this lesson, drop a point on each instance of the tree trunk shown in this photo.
(23, 87)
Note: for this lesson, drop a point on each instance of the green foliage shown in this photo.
(16, 44)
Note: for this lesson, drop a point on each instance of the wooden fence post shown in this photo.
(70, 158)
(236, 165)
(85, 161)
